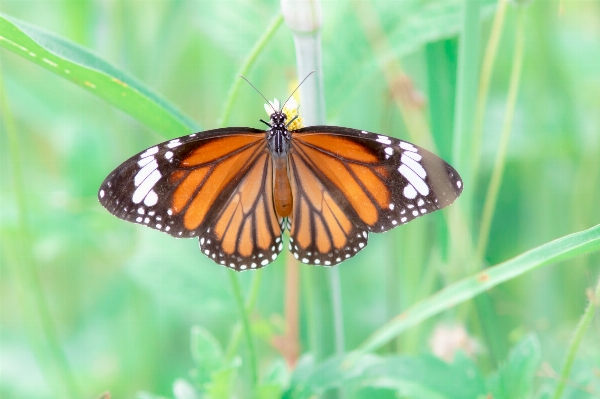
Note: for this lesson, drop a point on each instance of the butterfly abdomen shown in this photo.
(282, 192)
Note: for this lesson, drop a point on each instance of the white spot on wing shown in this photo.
(151, 199)
(145, 172)
(408, 146)
(414, 165)
(409, 192)
(174, 143)
(458, 184)
(144, 188)
(414, 179)
(145, 161)
(389, 150)
(169, 154)
(384, 139)
(149, 151)
(413, 155)
(102, 192)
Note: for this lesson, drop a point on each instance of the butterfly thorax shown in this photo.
(278, 135)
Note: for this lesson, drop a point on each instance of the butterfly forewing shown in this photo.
(376, 182)
(188, 186)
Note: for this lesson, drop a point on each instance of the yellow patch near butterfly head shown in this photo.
(291, 110)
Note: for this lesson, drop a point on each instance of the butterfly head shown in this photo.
(278, 134)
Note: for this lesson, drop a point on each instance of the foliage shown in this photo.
(90, 304)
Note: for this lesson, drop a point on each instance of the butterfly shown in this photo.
(238, 188)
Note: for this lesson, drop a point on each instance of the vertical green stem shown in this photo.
(487, 67)
(578, 334)
(237, 292)
(234, 342)
(45, 340)
(466, 96)
(494, 187)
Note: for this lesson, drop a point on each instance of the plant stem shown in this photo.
(494, 187)
(288, 343)
(36, 313)
(234, 341)
(578, 334)
(247, 64)
(487, 67)
(466, 95)
(237, 293)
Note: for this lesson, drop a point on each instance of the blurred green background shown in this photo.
(123, 299)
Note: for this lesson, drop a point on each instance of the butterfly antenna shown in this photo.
(297, 89)
(268, 102)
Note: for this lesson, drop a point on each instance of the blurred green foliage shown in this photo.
(127, 302)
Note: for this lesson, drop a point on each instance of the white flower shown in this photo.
(272, 106)
(291, 104)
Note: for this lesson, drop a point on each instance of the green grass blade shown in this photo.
(567, 247)
(582, 327)
(87, 70)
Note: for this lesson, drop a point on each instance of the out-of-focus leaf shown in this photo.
(87, 70)
(514, 379)
(268, 391)
(311, 379)
(422, 377)
(221, 384)
(206, 352)
(427, 377)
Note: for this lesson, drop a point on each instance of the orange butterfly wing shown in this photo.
(216, 185)
(347, 183)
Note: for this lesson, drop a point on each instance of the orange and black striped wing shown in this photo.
(215, 185)
(347, 183)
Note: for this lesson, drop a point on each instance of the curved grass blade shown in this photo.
(566, 247)
(87, 70)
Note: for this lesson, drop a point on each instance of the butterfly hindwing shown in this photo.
(378, 183)
(324, 229)
(247, 233)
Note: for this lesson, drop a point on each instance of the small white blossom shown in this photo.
(291, 105)
(272, 106)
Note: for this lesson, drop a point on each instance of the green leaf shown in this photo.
(567, 247)
(222, 382)
(311, 379)
(421, 377)
(207, 354)
(514, 379)
(92, 73)
(427, 377)
(268, 391)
